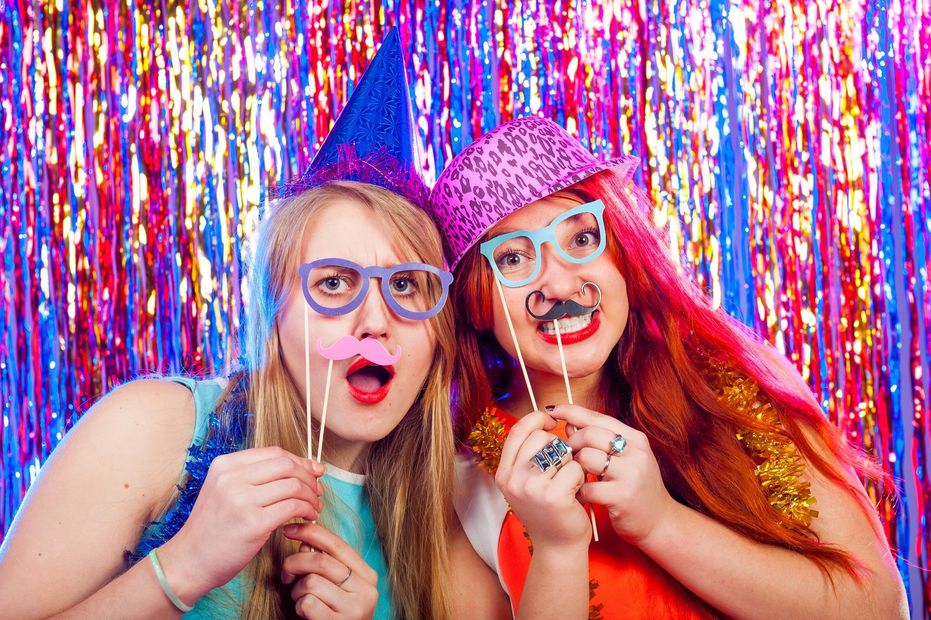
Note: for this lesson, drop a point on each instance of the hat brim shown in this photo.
(623, 166)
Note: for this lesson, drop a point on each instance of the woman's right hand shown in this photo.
(246, 495)
(545, 502)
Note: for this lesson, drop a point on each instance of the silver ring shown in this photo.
(554, 454)
(604, 470)
(617, 445)
(346, 578)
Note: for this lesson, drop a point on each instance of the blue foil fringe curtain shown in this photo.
(786, 144)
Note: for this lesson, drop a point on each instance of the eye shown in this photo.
(586, 238)
(403, 284)
(510, 260)
(334, 284)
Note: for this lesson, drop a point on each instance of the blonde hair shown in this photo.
(409, 472)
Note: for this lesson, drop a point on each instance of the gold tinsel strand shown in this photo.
(779, 467)
(486, 439)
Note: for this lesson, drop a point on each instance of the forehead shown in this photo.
(536, 215)
(344, 228)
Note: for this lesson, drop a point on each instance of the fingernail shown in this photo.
(290, 529)
(549, 407)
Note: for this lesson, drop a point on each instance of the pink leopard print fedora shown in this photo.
(511, 166)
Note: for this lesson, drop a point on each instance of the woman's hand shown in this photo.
(546, 501)
(246, 495)
(629, 483)
(333, 581)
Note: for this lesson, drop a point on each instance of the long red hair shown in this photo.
(660, 379)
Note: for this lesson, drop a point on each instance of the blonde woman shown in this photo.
(383, 539)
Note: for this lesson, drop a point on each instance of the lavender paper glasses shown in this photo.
(334, 286)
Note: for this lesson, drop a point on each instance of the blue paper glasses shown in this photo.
(577, 235)
(334, 286)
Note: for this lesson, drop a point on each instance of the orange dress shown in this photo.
(623, 581)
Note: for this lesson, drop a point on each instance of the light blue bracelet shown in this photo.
(153, 557)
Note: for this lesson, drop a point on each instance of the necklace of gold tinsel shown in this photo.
(779, 467)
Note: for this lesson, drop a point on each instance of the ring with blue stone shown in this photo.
(554, 454)
(617, 445)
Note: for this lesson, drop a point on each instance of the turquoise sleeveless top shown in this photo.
(353, 515)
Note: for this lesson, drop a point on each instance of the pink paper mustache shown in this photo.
(350, 346)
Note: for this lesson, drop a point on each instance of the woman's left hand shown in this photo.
(629, 483)
(333, 581)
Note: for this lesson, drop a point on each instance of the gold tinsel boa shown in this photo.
(779, 467)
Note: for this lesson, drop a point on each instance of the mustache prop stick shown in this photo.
(559, 310)
(567, 308)
(342, 349)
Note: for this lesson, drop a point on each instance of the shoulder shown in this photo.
(138, 432)
(151, 413)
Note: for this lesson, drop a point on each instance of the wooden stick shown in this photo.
(565, 375)
(326, 402)
(310, 450)
(310, 443)
(562, 360)
(520, 358)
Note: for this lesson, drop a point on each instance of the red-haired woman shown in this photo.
(718, 486)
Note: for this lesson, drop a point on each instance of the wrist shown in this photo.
(560, 553)
(663, 530)
(181, 573)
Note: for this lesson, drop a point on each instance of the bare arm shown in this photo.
(557, 583)
(739, 576)
(770, 581)
(558, 526)
(476, 592)
(114, 473)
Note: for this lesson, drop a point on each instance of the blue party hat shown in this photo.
(373, 140)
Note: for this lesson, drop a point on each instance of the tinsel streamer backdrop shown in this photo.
(786, 145)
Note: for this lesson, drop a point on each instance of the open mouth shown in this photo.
(369, 383)
(571, 330)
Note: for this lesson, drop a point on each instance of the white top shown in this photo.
(481, 508)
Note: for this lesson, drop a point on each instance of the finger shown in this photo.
(286, 510)
(322, 589)
(533, 421)
(569, 479)
(580, 417)
(282, 466)
(278, 490)
(310, 606)
(322, 539)
(306, 562)
(534, 443)
(593, 460)
(597, 493)
(254, 455)
(597, 437)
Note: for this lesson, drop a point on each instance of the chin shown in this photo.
(362, 432)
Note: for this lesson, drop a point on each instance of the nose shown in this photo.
(373, 315)
(558, 279)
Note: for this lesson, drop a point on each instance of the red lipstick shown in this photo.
(576, 336)
(368, 397)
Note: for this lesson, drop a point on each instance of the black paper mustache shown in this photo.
(567, 307)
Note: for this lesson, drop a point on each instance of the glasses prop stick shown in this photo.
(576, 235)
(559, 310)
(520, 357)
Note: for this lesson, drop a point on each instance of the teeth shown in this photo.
(572, 324)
